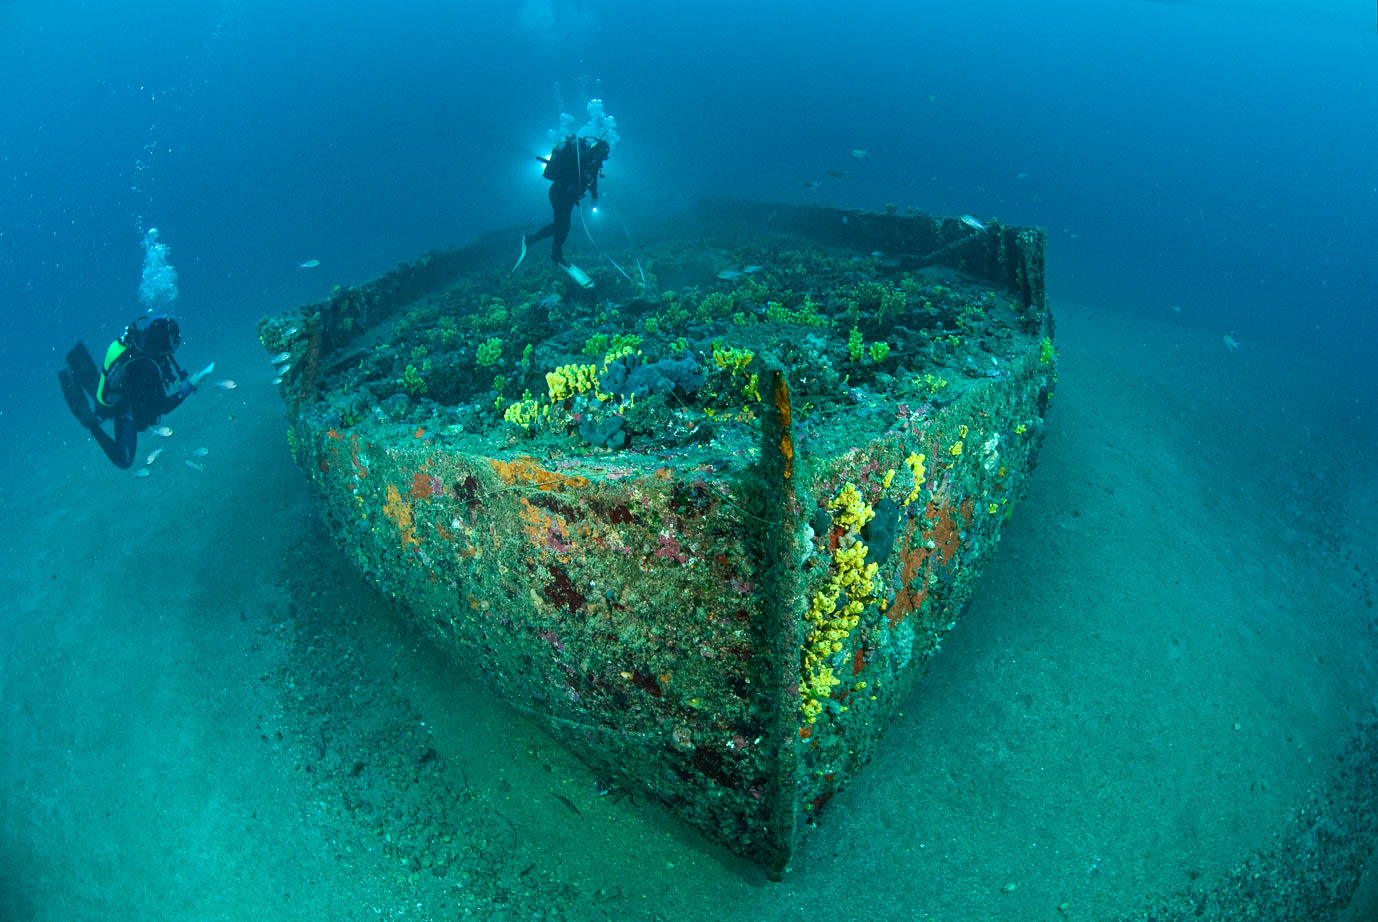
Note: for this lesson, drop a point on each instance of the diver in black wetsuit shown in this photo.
(573, 168)
(137, 385)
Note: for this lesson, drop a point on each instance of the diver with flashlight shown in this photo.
(573, 168)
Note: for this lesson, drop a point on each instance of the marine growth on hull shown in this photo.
(708, 517)
(669, 347)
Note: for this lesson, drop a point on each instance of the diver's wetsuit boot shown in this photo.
(120, 449)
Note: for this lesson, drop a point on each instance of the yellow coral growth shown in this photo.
(735, 359)
(523, 413)
(855, 511)
(853, 577)
(568, 380)
(915, 464)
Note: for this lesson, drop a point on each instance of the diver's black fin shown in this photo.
(76, 400)
(84, 368)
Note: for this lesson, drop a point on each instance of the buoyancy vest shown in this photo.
(108, 393)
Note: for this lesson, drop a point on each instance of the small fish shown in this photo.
(971, 222)
(750, 269)
(729, 274)
(860, 153)
(811, 184)
(142, 472)
(280, 358)
(283, 369)
(1230, 342)
(289, 332)
(191, 464)
(153, 455)
(310, 264)
(164, 431)
(200, 452)
(838, 174)
(226, 385)
(277, 380)
(568, 803)
(877, 253)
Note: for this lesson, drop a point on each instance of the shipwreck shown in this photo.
(707, 520)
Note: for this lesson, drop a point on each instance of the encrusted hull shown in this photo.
(726, 619)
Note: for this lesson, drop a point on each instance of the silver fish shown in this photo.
(142, 472)
(289, 332)
(859, 153)
(191, 464)
(153, 455)
(226, 385)
(200, 452)
(280, 358)
(164, 431)
(310, 264)
(729, 274)
(971, 222)
(283, 369)
(750, 269)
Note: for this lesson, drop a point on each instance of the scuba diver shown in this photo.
(138, 383)
(573, 168)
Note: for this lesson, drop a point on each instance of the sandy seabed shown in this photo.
(1159, 704)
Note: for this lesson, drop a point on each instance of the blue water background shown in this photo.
(1220, 157)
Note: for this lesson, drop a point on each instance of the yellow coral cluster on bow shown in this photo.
(568, 380)
(524, 412)
(735, 359)
(855, 511)
(835, 609)
(915, 464)
(832, 622)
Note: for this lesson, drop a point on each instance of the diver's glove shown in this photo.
(186, 388)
